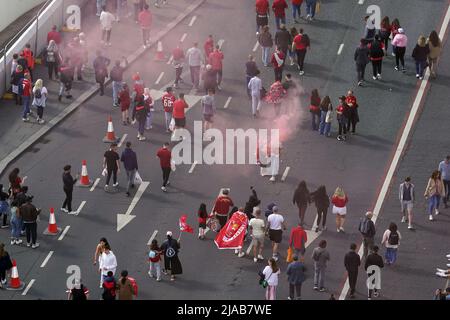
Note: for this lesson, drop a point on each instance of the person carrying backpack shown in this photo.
(376, 54)
(109, 287)
(391, 240)
(367, 229)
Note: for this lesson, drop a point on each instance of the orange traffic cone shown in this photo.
(15, 283)
(159, 52)
(84, 181)
(110, 136)
(52, 229)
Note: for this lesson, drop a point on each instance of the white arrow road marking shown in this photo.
(192, 21)
(159, 78)
(152, 237)
(24, 293)
(340, 49)
(80, 207)
(124, 219)
(95, 184)
(46, 259)
(170, 60)
(183, 37)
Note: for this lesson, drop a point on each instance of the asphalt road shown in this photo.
(358, 165)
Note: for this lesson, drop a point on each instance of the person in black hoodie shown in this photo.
(4, 206)
(101, 64)
(68, 182)
(301, 198)
(322, 202)
(420, 55)
(252, 202)
(361, 60)
(283, 40)
(140, 112)
(376, 53)
(352, 263)
(373, 259)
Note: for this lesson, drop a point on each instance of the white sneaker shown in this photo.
(448, 256)
(13, 242)
(410, 227)
(164, 189)
(115, 184)
(441, 274)
(241, 254)
(73, 212)
(342, 229)
(417, 76)
(338, 230)
(301, 73)
(64, 210)
(260, 257)
(142, 138)
(236, 251)
(272, 179)
(431, 218)
(374, 78)
(34, 246)
(18, 241)
(436, 211)
(255, 260)
(403, 219)
(150, 274)
(379, 76)
(219, 88)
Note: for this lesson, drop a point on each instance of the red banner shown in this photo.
(184, 227)
(232, 234)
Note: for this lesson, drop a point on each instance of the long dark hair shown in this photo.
(154, 246)
(434, 39)
(321, 192)
(325, 102)
(395, 23)
(202, 211)
(301, 188)
(273, 265)
(293, 32)
(393, 227)
(315, 94)
(13, 175)
(124, 275)
(385, 22)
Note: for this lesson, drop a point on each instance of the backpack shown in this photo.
(38, 94)
(375, 50)
(393, 238)
(305, 40)
(364, 226)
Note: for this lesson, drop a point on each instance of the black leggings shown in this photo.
(301, 58)
(68, 201)
(322, 215)
(166, 175)
(114, 174)
(376, 65)
(400, 56)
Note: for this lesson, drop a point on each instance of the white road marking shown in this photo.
(170, 60)
(220, 43)
(46, 259)
(95, 184)
(227, 103)
(64, 233)
(340, 49)
(159, 78)
(183, 37)
(152, 237)
(24, 293)
(124, 219)
(401, 147)
(81, 207)
(192, 21)
(193, 167)
(361, 2)
(286, 171)
(256, 46)
(122, 140)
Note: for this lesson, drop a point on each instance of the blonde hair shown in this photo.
(422, 41)
(39, 84)
(339, 192)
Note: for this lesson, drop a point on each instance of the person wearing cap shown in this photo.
(407, 196)
(68, 182)
(367, 230)
(222, 207)
(275, 227)
(399, 43)
(172, 263)
(130, 164)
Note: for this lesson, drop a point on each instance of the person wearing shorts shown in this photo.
(339, 201)
(406, 197)
(178, 112)
(262, 14)
(257, 226)
(275, 226)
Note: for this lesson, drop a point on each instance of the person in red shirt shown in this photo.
(222, 207)
(262, 14)
(209, 46)
(215, 59)
(145, 21)
(178, 112)
(26, 96)
(341, 115)
(296, 9)
(54, 35)
(278, 64)
(178, 58)
(353, 117)
(279, 7)
(202, 217)
(376, 55)
(168, 99)
(125, 102)
(165, 158)
(339, 201)
(29, 56)
(300, 45)
(297, 240)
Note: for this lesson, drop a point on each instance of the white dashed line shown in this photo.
(64, 233)
(46, 259)
(122, 140)
(95, 184)
(152, 237)
(159, 78)
(183, 37)
(286, 171)
(256, 46)
(193, 167)
(170, 60)
(220, 43)
(80, 207)
(227, 103)
(192, 21)
(24, 293)
(340, 49)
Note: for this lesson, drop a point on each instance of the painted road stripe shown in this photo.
(152, 237)
(193, 167)
(227, 103)
(46, 259)
(81, 207)
(220, 43)
(170, 60)
(256, 46)
(286, 171)
(400, 148)
(64, 233)
(95, 184)
(340, 49)
(192, 21)
(122, 140)
(183, 37)
(159, 78)
(24, 293)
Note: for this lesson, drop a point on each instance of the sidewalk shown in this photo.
(17, 136)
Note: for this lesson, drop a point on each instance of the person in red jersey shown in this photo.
(178, 112)
(54, 35)
(208, 46)
(145, 21)
(262, 14)
(279, 8)
(222, 207)
(165, 158)
(215, 59)
(168, 99)
(353, 117)
(278, 64)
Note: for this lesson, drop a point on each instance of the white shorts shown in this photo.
(340, 211)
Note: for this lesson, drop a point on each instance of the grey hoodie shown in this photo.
(320, 256)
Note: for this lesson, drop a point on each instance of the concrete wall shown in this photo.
(11, 10)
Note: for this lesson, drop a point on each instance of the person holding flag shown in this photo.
(231, 236)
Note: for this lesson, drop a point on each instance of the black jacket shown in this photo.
(29, 213)
(265, 39)
(374, 259)
(352, 261)
(101, 66)
(421, 53)
(301, 198)
(322, 201)
(20, 199)
(116, 73)
(283, 39)
(252, 202)
(362, 55)
(68, 181)
(209, 79)
(371, 228)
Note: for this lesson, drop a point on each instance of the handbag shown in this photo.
(137, 178)
(262, 281)
(290, 255)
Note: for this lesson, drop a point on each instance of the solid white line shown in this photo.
(152, 237)
(340, 49)
(400, 148)
(46, 259)
(81, 207)
(137, 196)
(170, 60)
(183, 37)
(24, 293)
(64, 233)
(122, 140)
(361, 2)
(193, 167)
(227, 103)
(95, 184)
(159, 78)
(220, 43)
(286, 171)
(192, 21)
(256, 46)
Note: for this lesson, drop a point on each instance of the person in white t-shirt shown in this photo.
(40, 94)
(106, 21)
(275, 226)
(258, 230)
(255, 87)
(108, 261)
(271, 273)
(194, 58)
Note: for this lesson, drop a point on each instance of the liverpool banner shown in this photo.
(232, 234)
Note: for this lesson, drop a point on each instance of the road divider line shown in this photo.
(66, 229)
(170, 59)
(340, 49)
(183, 37)
(122, 140)
(159, 78)
(80, 207)
(227, 103)
(256, 46)
(220, 43)
(95, 184)
(24, 293)
(286, 171)
(193, 167)
(152, 237)
(46, 259)
(192, 21)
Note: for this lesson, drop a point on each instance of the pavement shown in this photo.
(359, 165)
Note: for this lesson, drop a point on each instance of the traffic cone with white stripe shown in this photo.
(110, 136)
(52, 229)
(84, 181)
(159, 52)
(15, 283)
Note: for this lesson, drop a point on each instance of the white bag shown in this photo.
(172, 124)
(172, 165)
(104, 172)
(137, 178)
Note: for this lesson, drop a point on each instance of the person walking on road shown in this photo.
(433, 192)
(376, 54)
(301, 198)
(275, 227)
(202, 215)
(262, 14)
(172, 263)
(149, 108)
(116, 75)
(339, 201)
(266, 42)
(26, 96)
(130, 164)
(277, 61)
(145, 21)
(67, 73)
(275, 96)
(400, 41)
(311, 9)
(222, 207)
(5, 264)
(125, 288)
(352, 263)
(125, 103)
(106, 21)
(296, 276)
(353, 117)
(68, 182)
(300, 45)
(322, 202)
(108, 262)
(435, 45)
(16, 84)
(391, 239)
(320, 257)
(101, 64)
(79, 292)
(29, 215)
(28, 54)
(420, 55)
(15, 182)
(407, 197)
(279, 8)
(52, 59)
(154, 257)
(325, 106)
(54, 35)
(208, 111)
(179, 113)
(209, 78)
(283, 40)
(40, 95)
(314, 109)
(297, 240)
(250, 72)
(373, 259)
(292, 34)
(208, 47)
(385, 32)
(361, 57)
(112, 165)
(195, 58)
(5, 209)
(216, 60)
(258, 228)
(165, 157)
(16, 225)
(109, 286)
(444, 169)
(271, 273)
(296, 9)
(140, 114)
(168, 99)
(178, 60)
(98, 254)
(368, 231)
(255, 87)
(342, 116)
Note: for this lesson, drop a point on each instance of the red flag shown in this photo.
(232, 234)
(184, 227)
